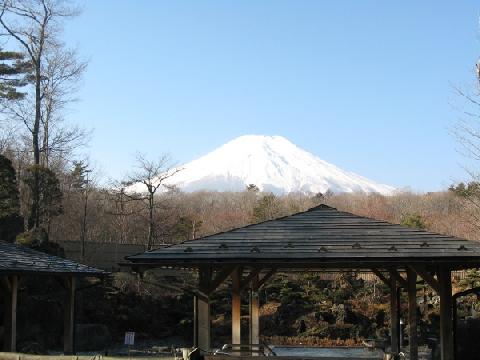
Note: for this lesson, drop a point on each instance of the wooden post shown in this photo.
(455, 327)
(394, 318)
(254, 315)
(195, 321)
(446, 322)
(10, 314)
(203, 309)
(69, 317)
(412, 314)
(236, 307)
(203, 322)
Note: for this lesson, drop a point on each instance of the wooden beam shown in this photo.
(446, 315)
(5, 284)
(201, 295)
(382, 277)
(236, 307)
(401, 281)
(254, 316)
(429, 279)
(394, 318)
(220, 277)
(253, 274)
(10, 313)
(412, 314)
(205, 279)
(69, 317)
(266, 277)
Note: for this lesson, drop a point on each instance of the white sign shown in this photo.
(129, 338)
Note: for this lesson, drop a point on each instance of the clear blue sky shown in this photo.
(366, 85)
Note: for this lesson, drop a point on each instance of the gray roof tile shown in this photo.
(319, 235)
(20, 259)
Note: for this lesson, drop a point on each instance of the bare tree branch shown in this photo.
(145, 181)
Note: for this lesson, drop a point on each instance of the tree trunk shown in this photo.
(123, 220)
(150, 221)
(35, 214)
(46, 145)
(194, 229)
(84, 223)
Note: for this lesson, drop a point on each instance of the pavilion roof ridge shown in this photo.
(321, 236)
(320, 207)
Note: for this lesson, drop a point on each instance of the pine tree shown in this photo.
(186, 228)
(50, 201)
(414, 221)
(14, 74)
(472, 189)
(80, 183)
(253, 188)
(267, 208)
(11, 222)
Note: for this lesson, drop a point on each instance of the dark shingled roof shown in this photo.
(320, 237)
(17, 259)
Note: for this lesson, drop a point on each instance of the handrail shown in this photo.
(227, 349)
(475, 290)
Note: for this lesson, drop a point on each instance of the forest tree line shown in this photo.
(109, 214)
(186, 216)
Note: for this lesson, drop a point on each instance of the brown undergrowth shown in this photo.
(310, 341)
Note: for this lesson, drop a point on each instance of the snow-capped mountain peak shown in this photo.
(272, 163)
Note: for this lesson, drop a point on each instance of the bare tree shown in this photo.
(36, 25)
(119, 210)
(467, 133)
(62, 73)
(7, 138)
(82, 183)
(146, 181)
(467, 128)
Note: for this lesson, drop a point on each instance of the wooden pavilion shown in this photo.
(17, 262)
(319, 239)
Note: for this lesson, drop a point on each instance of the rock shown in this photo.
(32, 347)
(33, 335)
(90, 337)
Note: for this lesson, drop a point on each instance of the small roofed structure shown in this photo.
(319, 239)
(17, 261)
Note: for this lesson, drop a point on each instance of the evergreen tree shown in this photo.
(471, 280)
(11, 222)
(469, 190)
(267, 208)
(79, 175)
(414, 221)
(9, 203)
(14, 74)
(186, 228)
(80, 183)
(50, 195)
(253, 188)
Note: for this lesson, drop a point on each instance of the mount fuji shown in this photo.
(273, 164)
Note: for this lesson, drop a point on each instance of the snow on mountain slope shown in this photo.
(272, 163)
